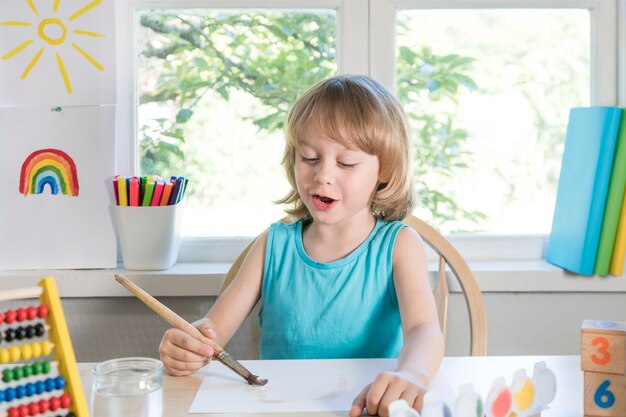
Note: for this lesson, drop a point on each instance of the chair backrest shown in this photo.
(448, 256)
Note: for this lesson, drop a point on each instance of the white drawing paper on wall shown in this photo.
(56, 198)
(57, 53)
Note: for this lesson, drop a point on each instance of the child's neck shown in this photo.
(328, 243)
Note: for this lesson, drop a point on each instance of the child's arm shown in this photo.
(423, 347)
(181, 354)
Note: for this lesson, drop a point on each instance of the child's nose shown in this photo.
(324, 176)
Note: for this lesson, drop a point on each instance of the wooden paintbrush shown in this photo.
(175, 320)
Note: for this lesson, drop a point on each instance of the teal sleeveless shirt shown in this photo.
(342, 309)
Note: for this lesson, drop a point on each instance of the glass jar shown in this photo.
(129, 387)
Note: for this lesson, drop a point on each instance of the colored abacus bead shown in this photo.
(66, 402)
(44, 406)
(27, 370)
(23, 409)
(9, 335)
(27, 352)
(1, 318)
(39, 329)
(9, 316)
(20, 392)
(31, 313)
(29, 332)
(59, 381)
(4, 356)
(10, 393)
(40, 387)
(42, 311)
(30, 389)
(45, 366)
(16, 353)
(50, 385)
(55, 403)
(20, 333)
(2, 396)
(13, 412)
(20, 314)
(18, 373)
(33, 409)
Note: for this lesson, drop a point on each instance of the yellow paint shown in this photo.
(52, 21)
(32, 6)
(88, 33)
(32, 63)
(525, 396)
(16, 23)
(85, 9)
(66, 78)
(56, 5)
(88, 57)
(63, 350)
(18, 49)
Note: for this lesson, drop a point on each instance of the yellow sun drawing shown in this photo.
(53, 31)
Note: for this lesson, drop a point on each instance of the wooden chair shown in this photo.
(448, 255)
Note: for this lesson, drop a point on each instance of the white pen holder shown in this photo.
(149, 235)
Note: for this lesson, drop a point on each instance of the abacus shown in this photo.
(32, 384)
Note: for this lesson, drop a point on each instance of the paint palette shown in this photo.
(39, 372)
(525, 397)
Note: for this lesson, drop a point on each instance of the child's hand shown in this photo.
(386, 388)
(181, 354)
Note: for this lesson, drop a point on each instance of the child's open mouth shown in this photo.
(323, 203)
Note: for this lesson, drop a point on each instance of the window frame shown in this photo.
(365, 45)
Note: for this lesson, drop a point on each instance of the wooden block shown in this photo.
(605, 394)
(603, 347)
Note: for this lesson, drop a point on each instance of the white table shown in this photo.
(455, 371)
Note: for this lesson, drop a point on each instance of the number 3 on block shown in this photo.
(603, 355)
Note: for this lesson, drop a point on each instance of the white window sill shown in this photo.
(204, 279)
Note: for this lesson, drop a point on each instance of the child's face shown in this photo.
(334, 182)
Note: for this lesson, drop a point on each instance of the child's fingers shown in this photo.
(391, 394)
(177, 368)
(358, 404)
(208, 332)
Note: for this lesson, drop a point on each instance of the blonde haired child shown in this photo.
(346, 279)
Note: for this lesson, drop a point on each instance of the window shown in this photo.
(214, 79)
(214, 90)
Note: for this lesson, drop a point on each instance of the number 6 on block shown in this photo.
(605, 394)
(603, 347)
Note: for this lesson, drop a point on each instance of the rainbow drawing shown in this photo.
(49, 167)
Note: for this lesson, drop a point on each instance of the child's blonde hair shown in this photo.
(357, 112)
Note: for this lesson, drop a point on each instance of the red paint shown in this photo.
(501, 404)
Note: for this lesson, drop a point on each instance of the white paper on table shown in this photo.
(58, 230)
(294, 385)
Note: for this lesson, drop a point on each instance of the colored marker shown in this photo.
(158, 191)
(121, 187)
(167, 191)
(134, 191)
(117, 198)
(147, 194)
(178, 187)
